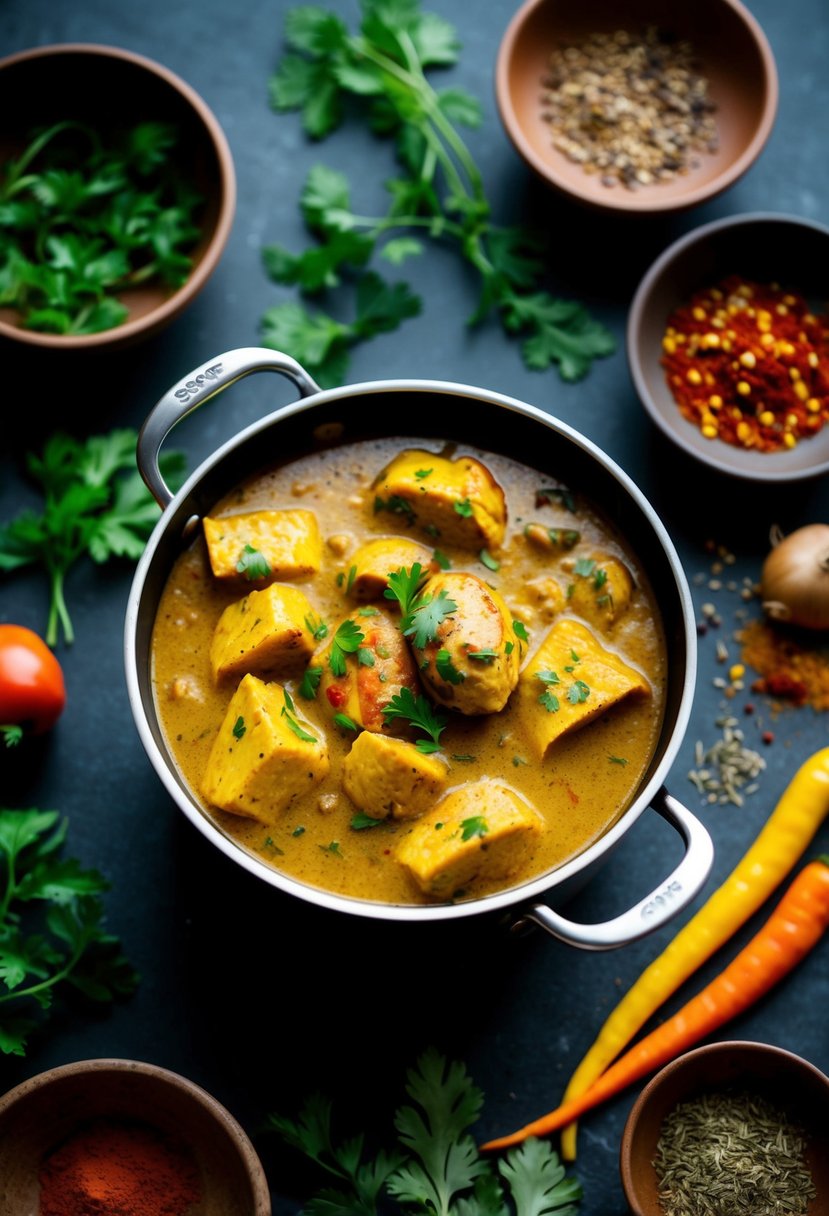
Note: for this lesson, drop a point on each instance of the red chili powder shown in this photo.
(118, 1169)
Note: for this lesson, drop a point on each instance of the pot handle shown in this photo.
(678, 889)
(199, 386)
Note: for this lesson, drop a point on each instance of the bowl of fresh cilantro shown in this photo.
(117, 196)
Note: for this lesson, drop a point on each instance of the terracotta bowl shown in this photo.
(39, 1114)
(111, 90)
(734, 56)
(762, 246)
(785, 1080)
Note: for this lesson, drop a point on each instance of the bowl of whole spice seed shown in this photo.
(728, 345)
(117, 196)
(728, 1129)
(644, 108)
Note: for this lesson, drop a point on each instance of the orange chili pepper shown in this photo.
(796, 925)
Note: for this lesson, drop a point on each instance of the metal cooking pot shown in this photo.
(494, 422)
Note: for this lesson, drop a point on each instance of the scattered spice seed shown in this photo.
(728, 770)
(631, 107)
(729, 1153)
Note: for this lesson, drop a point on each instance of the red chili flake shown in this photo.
(336, 696)
(767, 737)
(748, 708)
(748, 363)
(781, 684)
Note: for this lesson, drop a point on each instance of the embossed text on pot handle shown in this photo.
(194, 390)
(672, 894)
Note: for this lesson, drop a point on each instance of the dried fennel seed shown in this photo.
(731, 1154)
(634, 109)
(727, 772)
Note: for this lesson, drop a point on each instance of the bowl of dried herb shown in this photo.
(117, 196)
(652, 108)
(728, 1128)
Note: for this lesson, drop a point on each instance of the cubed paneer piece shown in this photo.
(483, 832)
(368, 569)
(265, 633)
(269, 546)
(471, 662)
(265, 755)
(569, 681)
(599, 589)
(390, 777)
(360, 680)
(458, 502)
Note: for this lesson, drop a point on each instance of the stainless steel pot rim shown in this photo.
(502, 900)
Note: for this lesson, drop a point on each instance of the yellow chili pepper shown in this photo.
(788, 831)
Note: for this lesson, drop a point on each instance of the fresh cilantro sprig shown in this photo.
(418, 712)
(80, 222)
(94, 503)
(51, 927)
(421, 624)
(435, 1169)
(438, 194)
(404, 585)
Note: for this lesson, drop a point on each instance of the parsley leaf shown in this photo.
(578, 692)
(420, 714)
(288, 710)
(474, 826)
(447, 670)
(239, 727)
(380, 71)
(550, 702)
(464, 508)
(94, 502)
(345, 722)
(316, 627)
(361, 821)
(64, 941)
(423, 622)
(310, 682)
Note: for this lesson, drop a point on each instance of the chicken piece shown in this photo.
(458, 500)
(270, 546)
(472, 659)
(265, 633)
(547, 597)
(483, 832)
(568, 682)
(599, 589)
(390, 777)
(359, 680)
(373, 562)
(265, 755)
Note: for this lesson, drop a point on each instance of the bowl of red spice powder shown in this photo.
(124, 1138)
(728, 345)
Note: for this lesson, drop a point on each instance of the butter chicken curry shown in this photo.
(408, 673)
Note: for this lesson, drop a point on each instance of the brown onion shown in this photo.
(794, 583)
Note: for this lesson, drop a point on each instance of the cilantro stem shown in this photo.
(58, 612)
(55, 978)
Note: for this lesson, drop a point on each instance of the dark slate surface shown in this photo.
(257, 997)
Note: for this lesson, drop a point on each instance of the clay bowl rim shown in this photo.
(181, 1086)
(695, 260)
(577, 186)
(225, 192)
(682, 1075)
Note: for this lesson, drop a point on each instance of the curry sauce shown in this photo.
(557, 568)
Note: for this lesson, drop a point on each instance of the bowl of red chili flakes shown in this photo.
(728, 345)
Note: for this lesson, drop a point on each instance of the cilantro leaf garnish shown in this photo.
(345, 722)
(550, 702)
(487, 655)
(310, 682)
(440, 559)
(420, 714)
(464, 508)
(288, 710)
(578, 692)
(585, 567)
(422, 474)
(424, 620)
(547, 677)
(360, 821)
(404, 585)
(476, 825)
(94, 502)
(316, 627)
(447, 670)
(437, 192)
(239, 727)
(520, 631)
(253, 564)
(348, 638)
(397, 505)
(52, 930)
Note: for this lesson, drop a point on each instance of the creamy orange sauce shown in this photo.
(588, 778)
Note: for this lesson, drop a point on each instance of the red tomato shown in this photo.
(32, 692)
